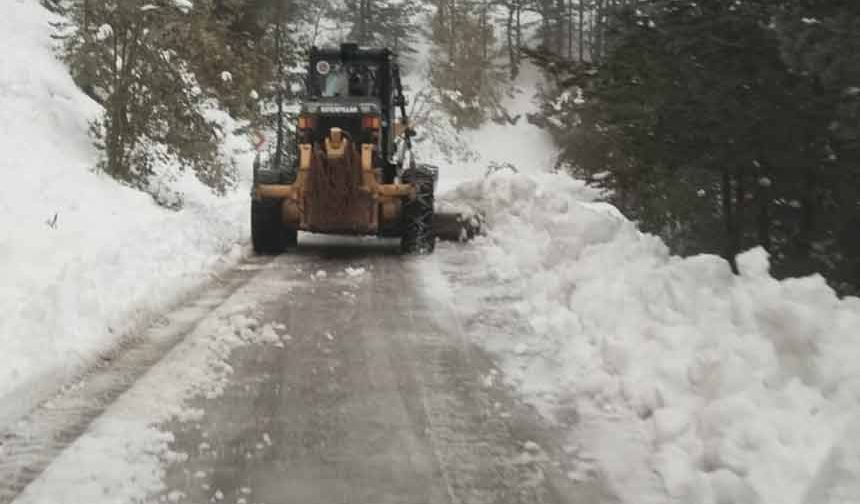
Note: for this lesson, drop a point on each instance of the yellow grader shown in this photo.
(350, 169)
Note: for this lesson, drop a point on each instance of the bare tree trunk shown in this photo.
(279, 35)
(763, 197)
(452, 29)
(509, 30)
(546, 25)
(519, 28)
(452, 38)
(808, 218)
(317, 21)
(362, 21)
(597, 53)
(740, 212)
(591, 37)
(558, 27)
(114, 144)
(570, 29)
(581, 30)
(484, 32)
(728, 217)
(368, 13)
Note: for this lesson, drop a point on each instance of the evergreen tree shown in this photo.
(723, 115)
(381, 23)
(126, 55)
(465, 70)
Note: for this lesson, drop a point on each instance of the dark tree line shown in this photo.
(723, 125)
(718, 125)
(479, 46)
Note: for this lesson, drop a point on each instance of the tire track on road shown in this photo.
(29, 446)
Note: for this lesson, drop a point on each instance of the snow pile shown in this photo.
(687, 384)
(83, 260)
(354, 272)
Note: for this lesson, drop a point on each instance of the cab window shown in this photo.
(337, 79)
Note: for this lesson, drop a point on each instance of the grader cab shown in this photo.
(350, 170)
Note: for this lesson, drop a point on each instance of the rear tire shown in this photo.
(267, 231)
(418, 235)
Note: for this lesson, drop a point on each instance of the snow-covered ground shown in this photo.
(83, 260)
(678, 381)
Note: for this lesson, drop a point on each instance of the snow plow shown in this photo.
(350, 169)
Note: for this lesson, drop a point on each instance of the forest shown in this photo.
(718, 125)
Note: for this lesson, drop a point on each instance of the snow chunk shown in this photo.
(670, 423)
(754, 263)
(184, 5)
(531, 446)
(354, 272)
(104, 32)
(175, 496)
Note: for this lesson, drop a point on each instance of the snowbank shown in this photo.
(83, 260)
(688, 384)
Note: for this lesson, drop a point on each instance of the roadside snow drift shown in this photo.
(687, 384)
(82, 258)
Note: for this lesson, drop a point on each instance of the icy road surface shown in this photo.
(330, 375)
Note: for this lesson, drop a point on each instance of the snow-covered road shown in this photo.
(666, 380)
(334, 374)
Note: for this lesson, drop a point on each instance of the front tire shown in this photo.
(418, 234)
(267, 231)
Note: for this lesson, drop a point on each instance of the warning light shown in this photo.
(306, 122)
(370, 122)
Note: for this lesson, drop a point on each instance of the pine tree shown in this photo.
(740, 117)
(465, 68)
(126, 55)
(381, 23)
